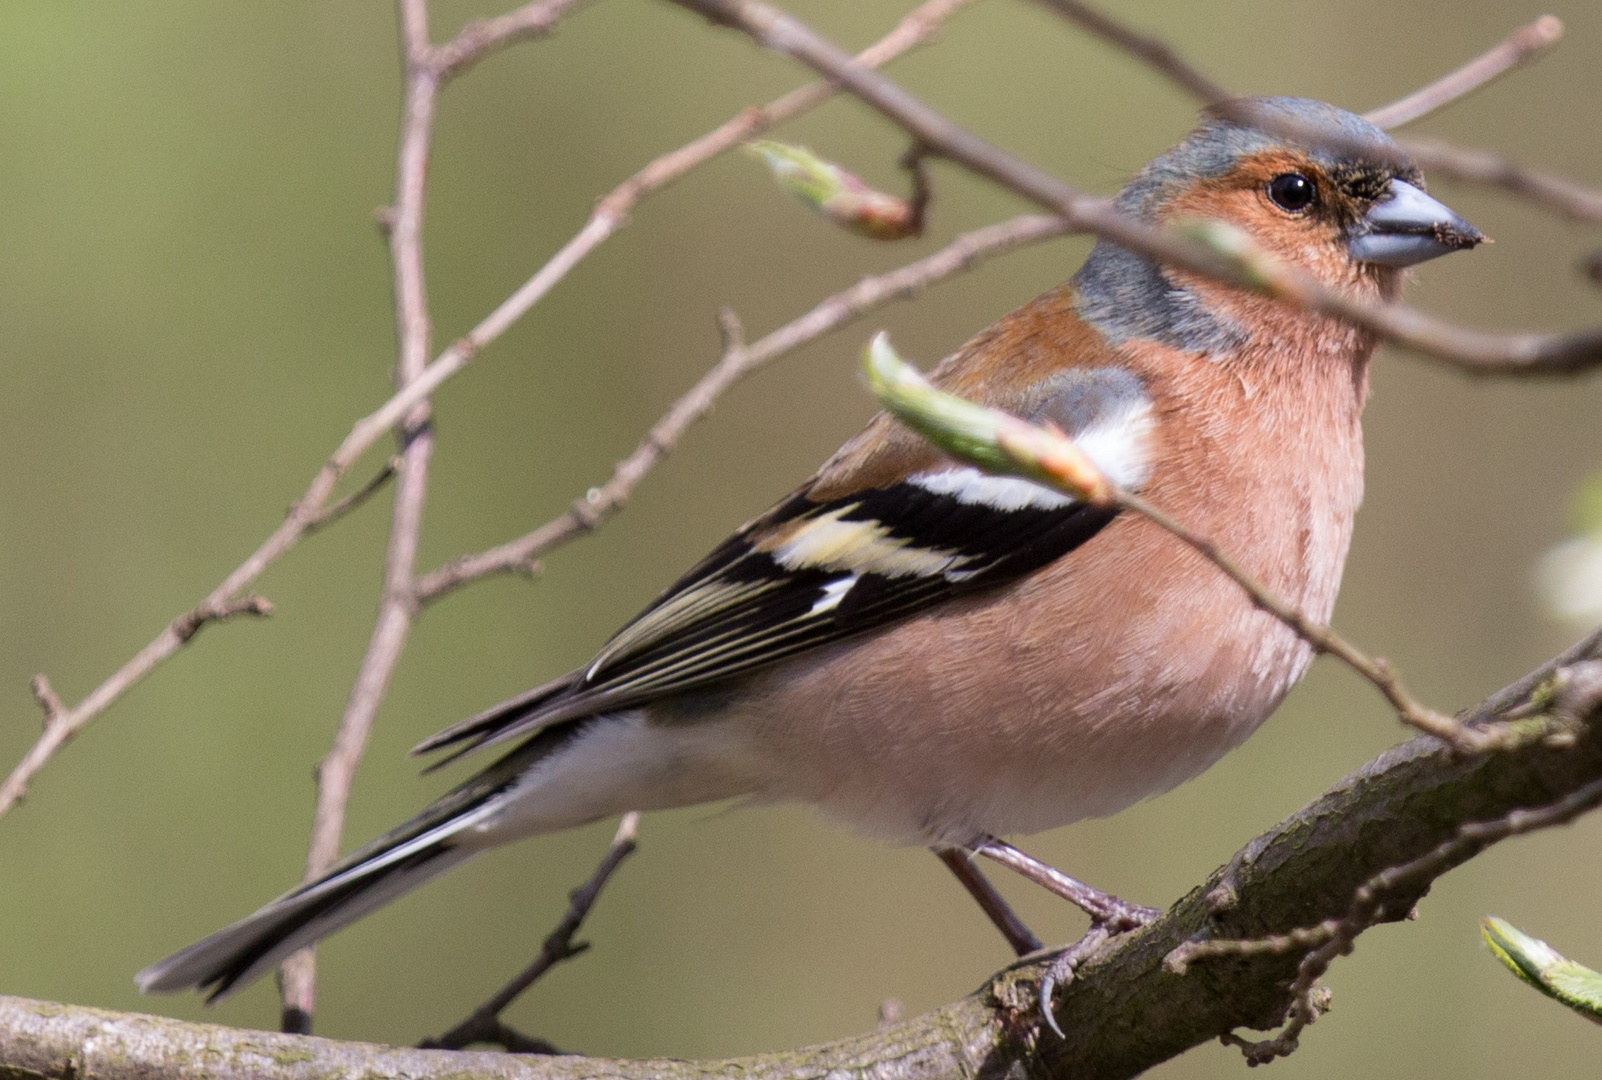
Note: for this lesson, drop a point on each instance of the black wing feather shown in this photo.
(746, 611)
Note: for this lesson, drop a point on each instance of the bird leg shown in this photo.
(1109, 915)
(1105, 910)
(960, 863)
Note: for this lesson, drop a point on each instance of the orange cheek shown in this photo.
(1308, 244)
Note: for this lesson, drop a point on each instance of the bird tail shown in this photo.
(571, 772)
(240, 953)
(431, 843)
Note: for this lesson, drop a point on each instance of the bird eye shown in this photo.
(1292, 191)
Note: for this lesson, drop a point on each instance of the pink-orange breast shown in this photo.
(1125, 667)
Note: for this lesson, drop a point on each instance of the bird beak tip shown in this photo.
(1409, 227)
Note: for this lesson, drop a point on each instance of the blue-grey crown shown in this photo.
(1221, 140)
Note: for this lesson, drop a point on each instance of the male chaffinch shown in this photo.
(937, 656)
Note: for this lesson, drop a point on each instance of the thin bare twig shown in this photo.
(1522, 46)
(485, 1025)
(738, 360)
(334, 511)
(482, 37)
(1147, 48)
(297, 979)
(228, 598)
(1562, 196)
(220, 604)
(1238, 263)
(187, 625)
(1299, 940)
(307, 514)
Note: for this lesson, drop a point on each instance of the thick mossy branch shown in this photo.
(1124, 1012)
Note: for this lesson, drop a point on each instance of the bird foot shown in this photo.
(1109, 915)
(1123, 918)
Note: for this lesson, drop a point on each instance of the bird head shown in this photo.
(1318, 187)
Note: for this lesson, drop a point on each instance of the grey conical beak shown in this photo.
(1407, 227)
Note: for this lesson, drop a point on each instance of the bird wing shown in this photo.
(836, 560)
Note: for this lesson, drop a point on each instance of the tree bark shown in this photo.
(1124, 1012)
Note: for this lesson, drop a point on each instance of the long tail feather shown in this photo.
(394, 864)
(567, 774)
(235, 956)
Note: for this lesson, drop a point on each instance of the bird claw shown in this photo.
(1122, 918)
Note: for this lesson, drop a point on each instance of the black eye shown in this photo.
(1292, 191)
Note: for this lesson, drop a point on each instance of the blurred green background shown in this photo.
(194, 306)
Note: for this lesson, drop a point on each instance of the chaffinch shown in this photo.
(937, 656)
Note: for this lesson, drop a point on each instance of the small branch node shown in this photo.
(45, 695)
(1578, 690)
(186, 626)
(922, 186)
(1222, 898)
(481, 37)
(1261, 1053)
(589, 511)
(732, 330)
(332, 513)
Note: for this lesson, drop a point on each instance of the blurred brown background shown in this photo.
(194, 306)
